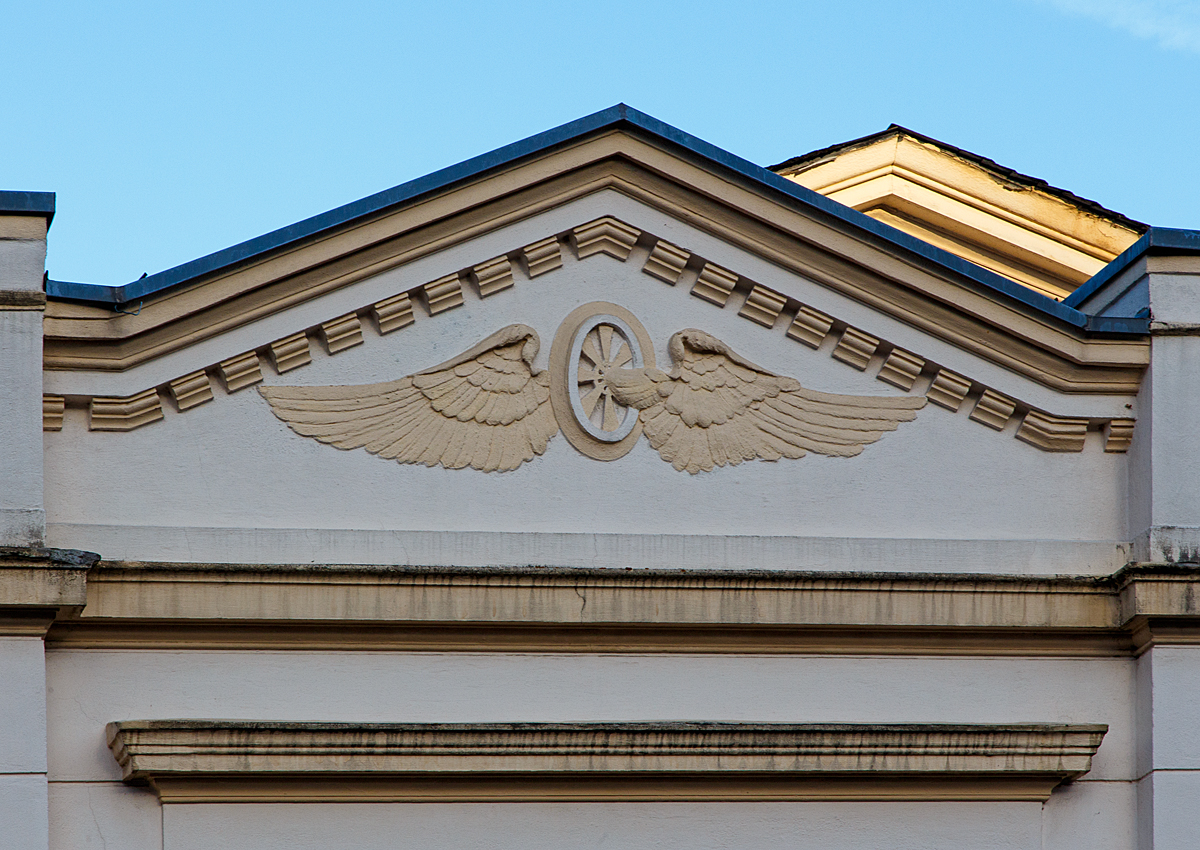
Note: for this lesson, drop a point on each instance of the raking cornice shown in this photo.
(935, 298)
(193, 761)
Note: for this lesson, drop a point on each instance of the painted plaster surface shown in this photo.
(1167, 809)
(481, 549)
(87, 689)
(23, 812)
(1174, 465)
(1170, 683)
(21, 477)
(99, 815)
(22, 705)
(680, 826)
(1091, 816)
(231, 465)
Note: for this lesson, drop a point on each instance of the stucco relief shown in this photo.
(485, 408)
(488, 409)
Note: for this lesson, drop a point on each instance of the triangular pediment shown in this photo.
(748, 207)
(885, 369)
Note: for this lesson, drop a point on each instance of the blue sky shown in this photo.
(173, 130)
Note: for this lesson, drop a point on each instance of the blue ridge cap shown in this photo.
(28, 203)
(619, 116)
(1156, 238)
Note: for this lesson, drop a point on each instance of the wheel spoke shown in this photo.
(611, 420)
(589, 401)
(606, 338)
(589, 351)
(588, 376)
(623, 356)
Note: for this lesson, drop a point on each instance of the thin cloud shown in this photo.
(1172, 24)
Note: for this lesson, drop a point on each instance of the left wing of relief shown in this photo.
(485, 408)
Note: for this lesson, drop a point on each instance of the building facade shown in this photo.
(610, 490)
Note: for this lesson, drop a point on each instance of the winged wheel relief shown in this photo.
(488, 409)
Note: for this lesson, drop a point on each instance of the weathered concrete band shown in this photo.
(578, 610)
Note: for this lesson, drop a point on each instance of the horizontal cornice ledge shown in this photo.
(241, 761)
(580, 610)
(545, 609)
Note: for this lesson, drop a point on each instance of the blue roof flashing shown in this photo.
(1156, 239)
(28, 203)
(615, 117)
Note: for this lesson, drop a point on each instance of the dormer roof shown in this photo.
(1021, 227)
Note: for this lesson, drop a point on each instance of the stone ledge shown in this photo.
(581, 610)
(237, 761)
(557, 609)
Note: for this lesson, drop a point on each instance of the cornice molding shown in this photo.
(125, 414)
(80, 337)
(330, 606)
(231, 606)
(193, 761)
(666, 262)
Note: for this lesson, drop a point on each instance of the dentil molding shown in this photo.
(666, 262)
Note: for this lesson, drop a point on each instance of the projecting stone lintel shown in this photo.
(192, 761)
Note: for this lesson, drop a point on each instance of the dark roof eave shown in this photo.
(619, 116)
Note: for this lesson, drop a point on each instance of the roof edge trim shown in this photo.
(612, 117)
(28, 203)
(1000, 171)
(1157, 239)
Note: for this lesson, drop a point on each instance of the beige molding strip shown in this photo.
(597, 610)
(241, 371)
(714, 284)
(194, 761)
(328, 606)
(543, 256)
(666, 262)
(605, 236)
(392, 314)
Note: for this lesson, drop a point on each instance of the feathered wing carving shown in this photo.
(717, 408)
(485, 408)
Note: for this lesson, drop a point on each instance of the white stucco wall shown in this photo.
(23, 823)
(679, 826)
(88, 688)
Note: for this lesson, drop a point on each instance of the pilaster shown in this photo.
(24, 218)
(1164, 501)
(36, 586)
